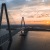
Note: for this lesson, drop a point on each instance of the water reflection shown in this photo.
(35, 40)
(40, 35)
(22, 42)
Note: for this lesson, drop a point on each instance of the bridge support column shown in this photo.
(24, 32)
(4, 7)
(22, 27)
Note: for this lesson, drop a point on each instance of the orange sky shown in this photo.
(39, 14)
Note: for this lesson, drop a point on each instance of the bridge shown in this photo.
(8, 33)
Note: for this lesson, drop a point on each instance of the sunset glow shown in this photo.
(34, 14)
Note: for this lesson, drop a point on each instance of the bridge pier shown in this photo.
(24, 32)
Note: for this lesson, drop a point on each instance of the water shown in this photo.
(35, 40)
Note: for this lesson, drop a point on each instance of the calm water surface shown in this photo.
(35, 40)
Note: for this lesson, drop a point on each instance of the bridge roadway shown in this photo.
(4, 34)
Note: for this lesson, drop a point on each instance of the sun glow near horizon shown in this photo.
(39, 14)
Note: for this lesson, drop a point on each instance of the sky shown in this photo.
(34, 11)
(15, 3)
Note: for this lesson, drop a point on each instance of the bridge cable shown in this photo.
(3, 7)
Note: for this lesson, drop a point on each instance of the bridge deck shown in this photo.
(4, 35)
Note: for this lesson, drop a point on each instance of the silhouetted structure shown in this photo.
(22, 26)
(3, 7)
(22, 22)
(24, 30)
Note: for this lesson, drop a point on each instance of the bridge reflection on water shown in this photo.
(35, 40)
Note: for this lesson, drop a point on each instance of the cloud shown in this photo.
(20, 8)
(13, 3)
(5, 1)
(33, 11)
(20, 3)
(28, 0)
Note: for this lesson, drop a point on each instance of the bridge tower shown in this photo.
(4, 8)
(22, 26)
(22, 22)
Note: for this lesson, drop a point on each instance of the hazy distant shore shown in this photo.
(27, 25)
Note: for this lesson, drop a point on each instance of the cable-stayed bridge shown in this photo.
(6, 34)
